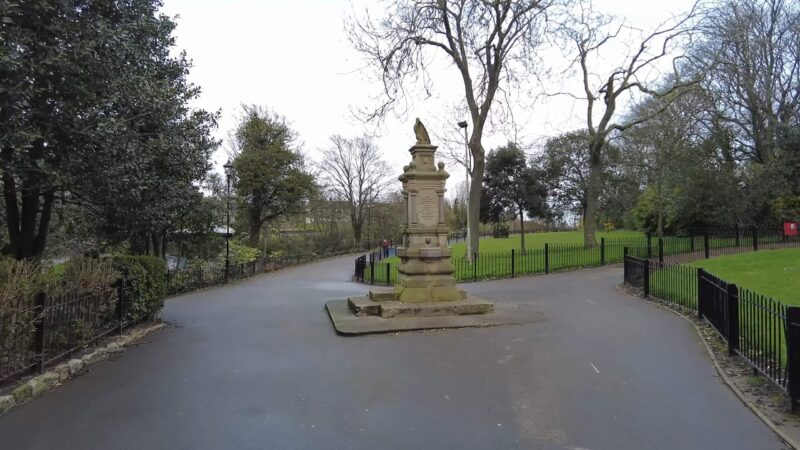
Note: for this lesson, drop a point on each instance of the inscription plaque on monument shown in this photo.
(427, 209)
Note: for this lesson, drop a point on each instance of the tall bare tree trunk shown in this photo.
(593, 194)
(473, 218)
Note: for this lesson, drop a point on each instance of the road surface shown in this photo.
(257, 365)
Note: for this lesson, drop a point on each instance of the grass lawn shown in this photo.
(566, 252)
(775, 273)
(535, 241)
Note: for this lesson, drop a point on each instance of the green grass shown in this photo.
(534, 241)
(566, 252)
(769, 273)
(774, 273)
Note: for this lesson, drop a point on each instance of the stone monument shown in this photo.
(425, 282)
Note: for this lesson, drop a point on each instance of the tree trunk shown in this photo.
(659, 211)
(255, 233)
(357, 230)
(593, 194)
(521, 229)
(476, 184)
(27, 217)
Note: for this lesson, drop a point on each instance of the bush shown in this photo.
(20, 281)
(500, 230)
(85, 276)
(145, 282)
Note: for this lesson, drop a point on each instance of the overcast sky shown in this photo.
(293, 57)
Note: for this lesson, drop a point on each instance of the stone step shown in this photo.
(363, 306)
(470, 305)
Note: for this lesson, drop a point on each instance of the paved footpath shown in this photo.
(258, 366)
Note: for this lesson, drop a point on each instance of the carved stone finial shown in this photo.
(422, 133)
(441, 165)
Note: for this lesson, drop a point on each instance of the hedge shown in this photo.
(145, 282)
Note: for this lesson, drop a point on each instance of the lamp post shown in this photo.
(463, 124)
(228, 173)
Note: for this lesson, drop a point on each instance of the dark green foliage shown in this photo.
(271, 179)
(146, 283)
(500, 230)
(512, 188)
(94, 113)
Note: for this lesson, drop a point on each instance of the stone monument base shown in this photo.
(363, 316)
(386, 305)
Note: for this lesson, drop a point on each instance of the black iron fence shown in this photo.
(45, 329)
(666, 251)
(763, 331)
(191, 279)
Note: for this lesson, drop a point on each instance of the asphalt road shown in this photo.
(258, 366)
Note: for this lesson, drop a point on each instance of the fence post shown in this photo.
(602, 251)
(372, 269)
(388, 274)
(793, 354)
(38, 339)
(624, 252)
(512, 263)
(120, 302)
(649, 247)
(755, 239)
(700, 293)
(546, 258)
(475, 266)
(660, 252)
(737, 236)
(691, 244)
(706, 248)
(646, 278)
(733, 319)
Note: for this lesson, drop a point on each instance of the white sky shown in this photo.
(293, 57)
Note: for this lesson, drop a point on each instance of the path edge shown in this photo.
(58, 375)
(750, 405)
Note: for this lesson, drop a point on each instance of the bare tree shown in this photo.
(353, 170)
(490, 43)
(752, 52)
(588, 33)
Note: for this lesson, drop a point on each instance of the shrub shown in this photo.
(20, 281)
(145, 282)
(500, 230)
(85, 276)
(239, 254)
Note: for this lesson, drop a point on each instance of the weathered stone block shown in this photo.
(363, 306)
(63, 371)
(97, 355)
(75, 366)
(382, 296)
(114, 347)
(6, 402)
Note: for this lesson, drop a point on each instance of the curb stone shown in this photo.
(723, 376)
(6, 402)
(56, 376)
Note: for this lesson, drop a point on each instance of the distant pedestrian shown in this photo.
(385, 246)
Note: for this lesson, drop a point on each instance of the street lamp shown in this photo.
(463, 124)
(228, 173)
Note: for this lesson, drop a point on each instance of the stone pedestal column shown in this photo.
(425, 273)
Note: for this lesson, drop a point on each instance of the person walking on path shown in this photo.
(385, 246)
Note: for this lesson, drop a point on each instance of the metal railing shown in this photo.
(562, 257)
(46, 329)
(762, 330)
(192, 279)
